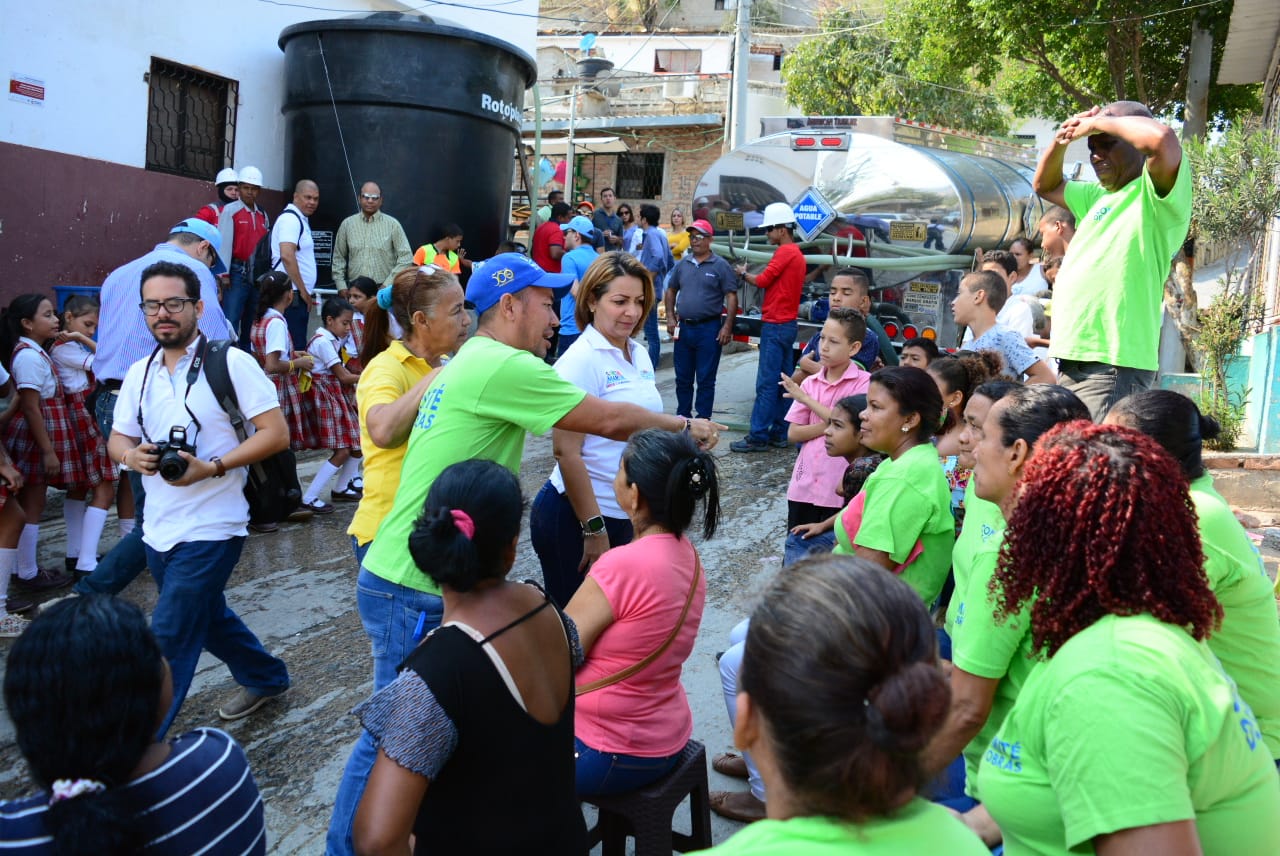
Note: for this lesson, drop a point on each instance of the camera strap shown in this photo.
(193, 374)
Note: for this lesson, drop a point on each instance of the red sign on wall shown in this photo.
(26, 89)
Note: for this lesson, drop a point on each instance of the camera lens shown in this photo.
(172, 466)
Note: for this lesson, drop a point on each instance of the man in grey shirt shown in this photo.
(701, 286)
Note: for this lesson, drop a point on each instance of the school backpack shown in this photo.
(272, 487)
(261, 261)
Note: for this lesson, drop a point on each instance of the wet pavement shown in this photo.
(296, 589)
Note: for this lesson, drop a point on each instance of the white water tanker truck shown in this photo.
(905, 202)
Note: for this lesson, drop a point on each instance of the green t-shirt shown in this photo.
(1108, 297)
(920, 827)
(908, 500)
(981, 644)
(480, 406)
(1248, 643)
(1132, 723)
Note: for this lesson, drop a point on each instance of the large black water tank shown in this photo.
(429, 111)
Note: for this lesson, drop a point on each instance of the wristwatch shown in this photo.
(593, 526)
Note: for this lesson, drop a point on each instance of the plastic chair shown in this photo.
(645, 814)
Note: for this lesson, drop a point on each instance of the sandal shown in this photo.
(737, 805)
(730, 764)
(11, 626)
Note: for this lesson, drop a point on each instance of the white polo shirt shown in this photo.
(211, 509)
(295, 230)
(591, 363)
(32, 369)
(324, 349)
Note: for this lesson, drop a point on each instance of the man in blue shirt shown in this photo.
(578, 235)
(705, 286)
(655, 254)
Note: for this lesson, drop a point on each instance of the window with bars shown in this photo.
(191, 120)
(677, 61)
(639, 175)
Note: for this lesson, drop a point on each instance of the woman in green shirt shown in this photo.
(1248, 643)
(1128, 738)
(840, 691)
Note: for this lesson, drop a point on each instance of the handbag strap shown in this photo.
(623, 674)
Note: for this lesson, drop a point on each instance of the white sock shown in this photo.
(27, 568)
(73, 514)
(326, 472)
(8, 562)
(94, 520)
(350, 471)
(126, 525)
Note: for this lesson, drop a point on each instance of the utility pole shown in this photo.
(741, 68)
(1199, 68)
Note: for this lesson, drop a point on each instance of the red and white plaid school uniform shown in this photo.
(296, 413)
(337, 421)
(353, 345)
(73, 359)
(58, 424)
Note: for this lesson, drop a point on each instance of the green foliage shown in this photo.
(1223, 326)
(1236, 192)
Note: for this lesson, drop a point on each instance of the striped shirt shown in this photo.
(202, 799)
(123, 335)
(376, 248)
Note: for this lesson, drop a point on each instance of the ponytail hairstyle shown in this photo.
(468, 525)
(21, 308)
(272, 286)
(83, 686)
(673, 474)
(963, 373)
(79, 304)
(1172, 420)
(333, 307)
(413, 290)
(841, 664)
(914, 391)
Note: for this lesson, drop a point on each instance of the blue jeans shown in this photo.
(796, 548)
(556, 535)
(361, 550)
(239, 304)
(565, 340)
(651, 339)
(390, 614)
(697, 358)
(601, 773)
(768, 415)
(128, 557)
(297, 317)
(192, 615)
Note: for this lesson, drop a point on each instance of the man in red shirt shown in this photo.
(782, 281)
(242, 224)
(548, 239)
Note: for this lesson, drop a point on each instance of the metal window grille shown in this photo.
(639, 176)
(191, 120)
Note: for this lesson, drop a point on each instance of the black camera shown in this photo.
(172, 465)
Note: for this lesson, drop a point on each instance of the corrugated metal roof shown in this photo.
(605, 123)
(1251, 41)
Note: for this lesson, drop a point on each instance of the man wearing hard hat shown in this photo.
(782, 281)
(242, 224)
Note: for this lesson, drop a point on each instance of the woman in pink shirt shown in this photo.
(637, 614)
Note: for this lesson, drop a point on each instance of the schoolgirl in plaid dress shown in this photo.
(361, 292)
(72, 357)
(274, 349)
(337, 422)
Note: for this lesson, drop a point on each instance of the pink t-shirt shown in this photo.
(817, 475)
(646, 583)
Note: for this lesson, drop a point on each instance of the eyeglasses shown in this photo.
(172, 305)
(697, 236)
(371, 197)
(624, 213)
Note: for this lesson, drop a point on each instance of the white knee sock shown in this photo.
(94, 520)
(8, 562)
(30, 537)
(326, 472)
(73, 514)
(126, 525)
(350, 471)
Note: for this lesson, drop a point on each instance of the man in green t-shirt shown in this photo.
(1108, 295)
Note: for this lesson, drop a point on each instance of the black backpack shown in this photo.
(261, 261)
(272, 488)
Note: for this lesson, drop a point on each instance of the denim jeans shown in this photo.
(600, 773)
(128, 557)
(192, 615)
(1100, 385)
(390, 614)
(730, 664)
(361, 550)
(297, 317)
(796, 548)
(556, 535)
(768, 415)
(239, 304)
(564, 341)
(652, 340)
(697, 358)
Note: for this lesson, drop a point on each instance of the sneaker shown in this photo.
(319, 506)
(745, 445)
(44, 580)
(11, 626)
(15, 606)
(264, 527)
(347, 495)
(245, 702)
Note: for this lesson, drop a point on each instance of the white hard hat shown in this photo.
(226, 176)
(778, 214)
(251, 175)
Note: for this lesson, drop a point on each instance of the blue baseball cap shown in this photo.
(581, 225)
(508, 273)
(206, 232)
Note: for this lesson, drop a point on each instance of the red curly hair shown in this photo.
(1104, 526)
